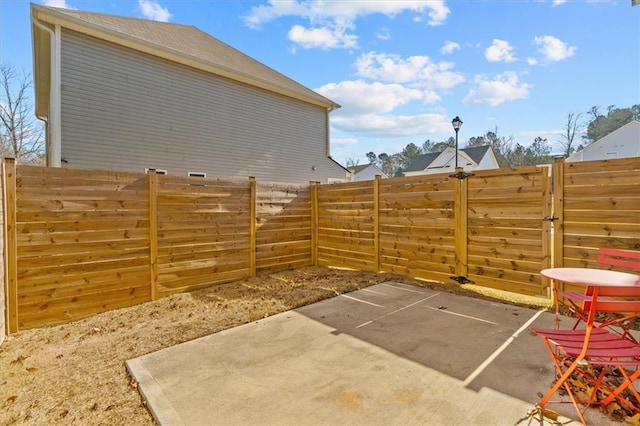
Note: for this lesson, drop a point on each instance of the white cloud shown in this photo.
(532, 61)
(420, 70)
(555, 3)
(388, 67)
(449, 47)
(392, 126)
(365, 108)
(274, 10)
(389, 82)
(553, 48)
(340, 142)
(384, 34)
(324, 38)
(499, 51)
(330, 19)
(151, 9)
(503, 88)
(57, 3)
(359, 97)
(321, 10)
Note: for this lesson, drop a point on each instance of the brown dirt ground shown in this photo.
(75, 373)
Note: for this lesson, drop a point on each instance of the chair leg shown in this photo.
(628, 383)
(561, 382)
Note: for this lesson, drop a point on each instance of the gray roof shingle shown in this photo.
(189, 42)
(477, 152)
(423, 161)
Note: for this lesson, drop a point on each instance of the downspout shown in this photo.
(47, 145)
(328, 141)
(53, 123)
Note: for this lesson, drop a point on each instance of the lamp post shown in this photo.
(457, 123)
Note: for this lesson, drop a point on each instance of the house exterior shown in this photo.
(366, 172)
(621, 143)
(132, 94)
(476, 158)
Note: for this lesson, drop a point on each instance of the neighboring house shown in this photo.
(476, 158)
(131, 94)
(621, 143)
(366, 172)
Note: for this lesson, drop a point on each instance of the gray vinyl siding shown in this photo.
(124, 110)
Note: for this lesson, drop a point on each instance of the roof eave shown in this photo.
(41, 51)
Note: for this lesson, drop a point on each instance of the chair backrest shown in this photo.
(629, 291)
(627, 259)
(617, 299)
(618, 305)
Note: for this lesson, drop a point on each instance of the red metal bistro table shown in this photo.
(605, 291)
(592, 277)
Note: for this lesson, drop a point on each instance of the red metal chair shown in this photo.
(619, 322)
(620, 259)
(575, 351)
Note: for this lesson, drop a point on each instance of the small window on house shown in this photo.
(197, 174)
(158, 171)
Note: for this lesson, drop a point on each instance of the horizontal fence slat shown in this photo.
(86, 233)
(202, 281)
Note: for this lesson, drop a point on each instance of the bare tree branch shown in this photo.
(20, 133)
(572, 128)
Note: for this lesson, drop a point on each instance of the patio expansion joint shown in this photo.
(498, 351)
(397, 310)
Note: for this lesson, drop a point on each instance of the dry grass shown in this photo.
(75, 373)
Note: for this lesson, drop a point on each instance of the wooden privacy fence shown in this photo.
(79, 242)
(596, 204)
(488, 228)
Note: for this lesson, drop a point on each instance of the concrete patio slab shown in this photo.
(385, 355)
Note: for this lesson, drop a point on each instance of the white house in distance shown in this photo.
(133, 94)
(621, 143)
(366, 172)
(470, 159)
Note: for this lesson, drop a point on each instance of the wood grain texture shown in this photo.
(78, 242)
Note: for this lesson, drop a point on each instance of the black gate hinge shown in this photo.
(461, 175)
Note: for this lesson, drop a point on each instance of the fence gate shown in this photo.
(508, 235)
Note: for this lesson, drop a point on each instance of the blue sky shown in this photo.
(402, 70)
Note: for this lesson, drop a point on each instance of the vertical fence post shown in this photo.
(313, 186)
(10, 244)
(152, 180)
(252, 226)
(376, 222)
(4, 311)
(547, 221)
(460, 215)
(558, 214)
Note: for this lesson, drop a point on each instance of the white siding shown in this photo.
(489, 161)
(123, 110)
(621, 143)
(368, 174)
(445, 163)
